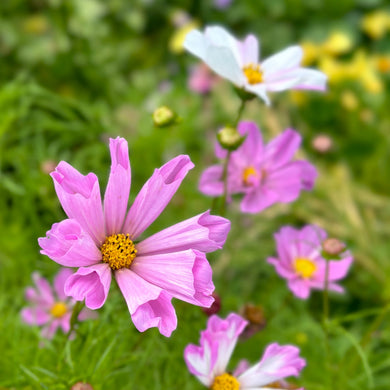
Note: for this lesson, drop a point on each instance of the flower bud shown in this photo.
(215, 307)
(333, 247)
(229, 138)
(164, 117)
(255, 317)
(81, 386)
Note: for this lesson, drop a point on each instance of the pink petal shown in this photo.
(67, 244)
(205, 233)
(258, 200)
(184, 275)
(282, 269)
(249, 50)
(65, 322)
(278, 362)
(338, 269)
(35, 316)
(308, 174)
(156, 194)
(50, 329)
(90, 283)
(300, 288)
(149, 306)
(44, 289)
(211, 181)
(118, 187)
(250, 153)
(281, 149)
(80, 198)
(59, 282)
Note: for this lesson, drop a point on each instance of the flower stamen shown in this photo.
(304, 267)
(253, 73)
(249, 175)
(225, 382)
(118, 251)
(58, 310)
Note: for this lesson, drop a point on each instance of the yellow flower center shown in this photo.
(249, 174)
(253, 73)
(304, 267)
(118, 251)
(225, 382)
(58, 310)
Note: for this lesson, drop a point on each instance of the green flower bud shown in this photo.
(229, 138)
(164, 117)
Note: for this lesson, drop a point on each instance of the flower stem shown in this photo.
(73, 319)
(326, 317)
(226, 163)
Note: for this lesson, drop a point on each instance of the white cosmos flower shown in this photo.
(239, 62)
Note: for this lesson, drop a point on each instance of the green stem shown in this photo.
(240, 111)
(325, 319)
(73, 319)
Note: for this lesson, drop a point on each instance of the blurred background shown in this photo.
(75, 72)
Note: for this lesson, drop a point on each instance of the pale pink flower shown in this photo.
(208, 362)
(239, 62)
(49, 306)
(103, 240)
(264, 174)
(201, 79)
(300, 260)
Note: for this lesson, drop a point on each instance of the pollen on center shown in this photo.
(118, 251)
(225, 382)
(304, 267)
(253, 73)
(248, 175)
(58, 310)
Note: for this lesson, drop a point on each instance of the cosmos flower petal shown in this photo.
(339, 269)
(249, 50)
(217, 343)
(204, 232)
(210, 182)
(309, 174)
(251, 151)
(50, 329)
(44, 289)
(59, 282)
(282, 61)
(281, 269)
(256, 201)
(80, 198)
(35, 316)
(156, 194)
(282, 148)
(149, 305)
(299, 287)
(184, 275)
(69, 245)
(90, 283)
(118, 186)
(311, 79)
(278, 362)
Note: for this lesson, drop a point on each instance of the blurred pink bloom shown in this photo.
(102, 240)
(300, 260)
(222, 4)
(238, 61)
(51, 309)
(201, 79)
(265, 174)
(208, 362)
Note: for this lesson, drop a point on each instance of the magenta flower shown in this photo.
(208, 362)
(51, 309)
(265, 174)
(103, 241)
(300, 260)
(201, 79)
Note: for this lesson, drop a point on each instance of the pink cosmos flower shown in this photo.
(201, 79)
(300, 260)
(265, 174)
(51, 309)
(103, 241)
(238, 61)
(208, 362)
